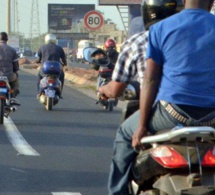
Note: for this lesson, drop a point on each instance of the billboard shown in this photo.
(120, 2)
(66, 17)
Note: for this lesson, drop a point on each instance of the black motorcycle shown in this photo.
(102, 64)
(180, 161)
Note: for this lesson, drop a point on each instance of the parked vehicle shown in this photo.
(180, 161)
(50, 85)
(105, 70)
(7, 102)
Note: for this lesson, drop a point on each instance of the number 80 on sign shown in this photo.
(93, 20)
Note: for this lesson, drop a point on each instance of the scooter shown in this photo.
(50, 85)
(180, 161)
(7, 102)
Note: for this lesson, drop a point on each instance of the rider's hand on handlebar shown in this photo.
(102, 96)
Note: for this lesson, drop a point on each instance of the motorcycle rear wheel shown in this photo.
(2, 107)
(49, 103)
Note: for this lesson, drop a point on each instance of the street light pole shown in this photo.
(8, 18)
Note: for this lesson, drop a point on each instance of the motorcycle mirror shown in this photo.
(87, 52)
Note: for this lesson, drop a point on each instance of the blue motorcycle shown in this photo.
(50, 86)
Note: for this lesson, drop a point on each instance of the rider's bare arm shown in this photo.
(113, 89)
(147, 97)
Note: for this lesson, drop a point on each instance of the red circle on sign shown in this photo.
(95, 17)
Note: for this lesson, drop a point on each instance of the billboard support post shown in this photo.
(135, 11)
(134, 6)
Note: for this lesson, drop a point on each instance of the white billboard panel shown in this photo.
(120, 2)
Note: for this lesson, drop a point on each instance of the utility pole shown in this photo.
(35, 24)
(8, 20)
(16, 16)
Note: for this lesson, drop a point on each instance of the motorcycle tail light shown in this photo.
(168, 157)
(51, 81)
(209, 158)
(3, 84)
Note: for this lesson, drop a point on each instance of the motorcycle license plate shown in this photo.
(50, 93)
(3, 90)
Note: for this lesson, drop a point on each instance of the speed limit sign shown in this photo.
(93, 20)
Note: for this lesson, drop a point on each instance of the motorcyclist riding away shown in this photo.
(51, 52)
(100, 59)
(110, 49)
(9, 63)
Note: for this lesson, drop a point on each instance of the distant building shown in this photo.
(108, 30)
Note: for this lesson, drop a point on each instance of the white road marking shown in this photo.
(66, 193)
(17, 140)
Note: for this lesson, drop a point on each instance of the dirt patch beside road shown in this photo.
(90, 75)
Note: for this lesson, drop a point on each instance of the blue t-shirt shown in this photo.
(184, 45)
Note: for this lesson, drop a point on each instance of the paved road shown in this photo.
(64, 150)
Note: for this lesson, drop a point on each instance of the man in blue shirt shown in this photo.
(179, 78)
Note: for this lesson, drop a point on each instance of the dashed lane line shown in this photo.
(66, 193)
(17, 140)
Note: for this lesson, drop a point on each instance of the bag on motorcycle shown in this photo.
(52, 68)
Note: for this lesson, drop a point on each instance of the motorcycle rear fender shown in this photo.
(182, 185)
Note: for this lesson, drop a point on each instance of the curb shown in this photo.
(78, 80)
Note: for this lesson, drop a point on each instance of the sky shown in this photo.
(24, 13)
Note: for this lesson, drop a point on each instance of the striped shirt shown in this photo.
(131, 61)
